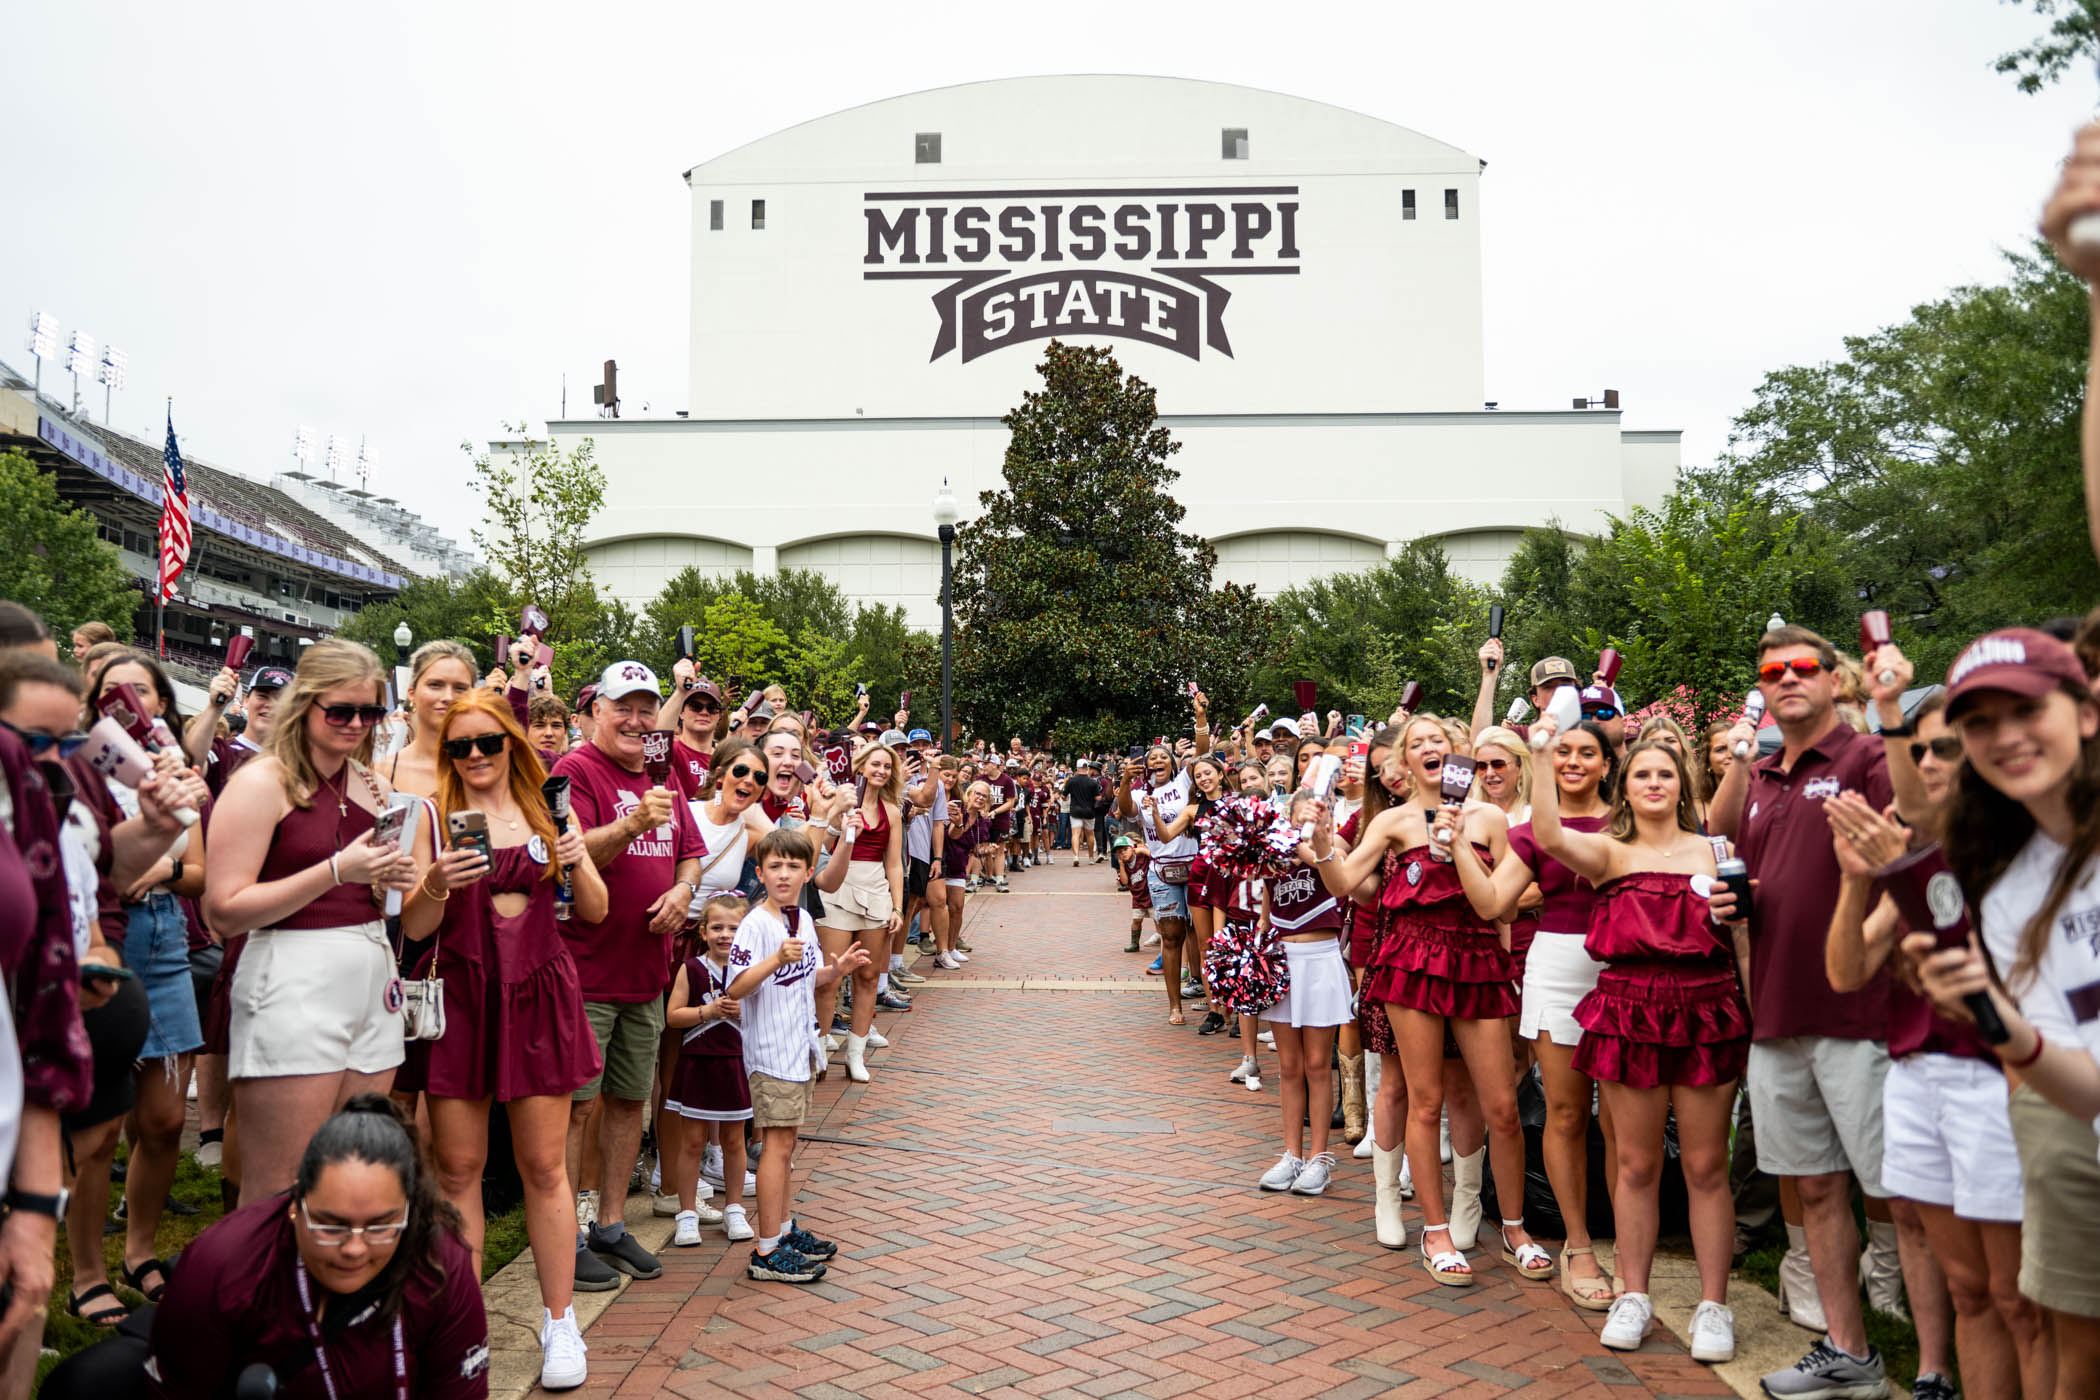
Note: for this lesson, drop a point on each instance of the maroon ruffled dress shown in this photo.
(1437, 955)
(1667, 1008)
(515, 1026)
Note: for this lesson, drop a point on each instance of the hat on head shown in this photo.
(702, 686)
(1601, 702)
(1288, 728)
(893, 739)
(270, 678)
(2019, 660)
(869, 726)
(1553, 668)
(586, 695)
(918, 736)
(624, 678)
(761, 712)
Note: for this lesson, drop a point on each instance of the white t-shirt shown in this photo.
(1169, 798)
(918, 833)
(780, 1018)
(2062, 999)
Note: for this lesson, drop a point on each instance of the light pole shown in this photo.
(944, 513)
(403, 639)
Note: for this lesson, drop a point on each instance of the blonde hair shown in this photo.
(326, 666)
(892, 791)
(735, 903)
(1495, 736)
(428, 655)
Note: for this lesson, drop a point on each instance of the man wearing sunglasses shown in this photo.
(698, 707)
(221, 757)
(1818, 1057)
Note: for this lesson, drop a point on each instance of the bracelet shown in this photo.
(333, 870)
(423, 889)
(176, 877)
(2039, 1046)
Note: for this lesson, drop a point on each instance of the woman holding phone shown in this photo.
(1665, 1030)
(516, 1033)
(864, 895)
(316, 1004)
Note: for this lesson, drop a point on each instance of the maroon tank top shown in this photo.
(1654, 916)
(1568, 898)
(309, 836)
(873, 843)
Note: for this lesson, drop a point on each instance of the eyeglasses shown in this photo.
(1946, 749)
(738, 770)
(336, 1236)
(1772, 672)
(1495, 765)
(489, 744)
(343, 716)
(40, 743)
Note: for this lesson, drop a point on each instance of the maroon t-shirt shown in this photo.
(237, 1303)
(1915, 1027)
(1785, 840)
(1568, 897)
(621, 960)
(689, 770)
(225, 759)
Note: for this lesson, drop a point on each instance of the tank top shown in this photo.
(1567, 897)
(723, 868)
(1299, 903)
(1430, 890)
(873, 843)
(308, 836)
(1654, 916)
(703, 983)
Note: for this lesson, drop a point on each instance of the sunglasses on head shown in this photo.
(1946, 749)
(343, 716)
(1774, 671)
(41, 744)
(489, 744)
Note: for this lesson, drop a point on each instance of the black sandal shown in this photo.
(111, 1316)
(132, 1277)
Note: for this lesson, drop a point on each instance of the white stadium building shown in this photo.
(1301, 284)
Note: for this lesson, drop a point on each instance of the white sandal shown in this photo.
(1531, 1261)
(1446, 1266)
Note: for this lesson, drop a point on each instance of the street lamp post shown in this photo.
(403, 639)
(944, 513)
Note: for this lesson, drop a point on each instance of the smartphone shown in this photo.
(1353, 725)
(468, 828)
(101, 972)
(860, 690)
(685, 643)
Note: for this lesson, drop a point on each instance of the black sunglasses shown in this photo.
(40, 743)
(343, 716)
(739, 770)
(1946, 749)
(702, 702)
(489, 744)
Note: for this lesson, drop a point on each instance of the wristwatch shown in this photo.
(53, 1206)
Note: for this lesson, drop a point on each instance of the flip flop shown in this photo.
(133, 1276)
(110, 1316)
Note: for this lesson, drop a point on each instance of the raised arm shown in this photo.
(1490, 670)
(1587, 853)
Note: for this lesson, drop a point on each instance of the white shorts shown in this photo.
(1319, 991)
(1947, 1138)
(956, 882)
(315, 1001)
(1557, 974)
(1817, 1104)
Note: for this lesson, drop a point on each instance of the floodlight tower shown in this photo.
(334, 459)
(80, 359)
(43, 342)
(364, 466)
(302, 451)
(111, 374)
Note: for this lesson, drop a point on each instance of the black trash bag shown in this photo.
(1542, 1212)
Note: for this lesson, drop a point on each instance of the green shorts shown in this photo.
(629, 1034)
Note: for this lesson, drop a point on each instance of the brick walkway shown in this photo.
(1047, 1192)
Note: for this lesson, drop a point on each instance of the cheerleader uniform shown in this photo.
(1666, 1008)
(1318, 994)
(1437, 955)
(515, 1025)
(1556, 971)
(709, 1082)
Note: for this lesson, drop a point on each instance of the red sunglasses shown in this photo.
(1774, 671)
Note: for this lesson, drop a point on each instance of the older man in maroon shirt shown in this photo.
(1818, 1057)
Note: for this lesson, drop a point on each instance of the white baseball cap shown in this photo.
(625, 678)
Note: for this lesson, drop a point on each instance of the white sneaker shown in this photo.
(664, 1204)
(1247, 1067)
(210, 1154)
(876, 1041)
(960, 956)
(562, 1364)
(1626, 1327)
(1253, 1083)
(1312, 1180)
(1280, 1176)
(1150, 940)
(736, 1224)
(711, 1164)
(688, 1232)
(1713, 1333)
(946, 962)
(1366, 1148)
(586, 1209)
(1267, 1038)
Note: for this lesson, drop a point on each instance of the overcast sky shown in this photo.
(407, 221)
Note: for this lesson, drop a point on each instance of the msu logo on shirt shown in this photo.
(624, 806)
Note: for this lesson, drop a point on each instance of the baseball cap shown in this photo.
(893, 739)
(761, 713)
(270, 678)
(703, 686)
(2020, 660)
(624, 678)
(1601, 702)
(918, 736)
(1553, 668)
(1286, 727)
(586, 695)
(869, 726)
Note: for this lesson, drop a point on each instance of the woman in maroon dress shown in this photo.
(1442, 965)
(515, 1027)
(1665, 1028)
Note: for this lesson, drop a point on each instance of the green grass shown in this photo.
(1893, 1337)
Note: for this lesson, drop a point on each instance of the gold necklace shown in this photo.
(342, 794)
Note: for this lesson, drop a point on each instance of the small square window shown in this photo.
(758, 211)
(1407, 204)
(714, 215)
(1235, 143)
(1450, 204)
(926, 148)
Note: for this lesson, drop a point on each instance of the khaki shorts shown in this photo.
(781, 1103)
(2060, 1177)
(1816, 1101)
(315, 1001)
(629, 1033)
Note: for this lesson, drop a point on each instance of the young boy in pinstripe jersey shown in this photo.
(776, 972)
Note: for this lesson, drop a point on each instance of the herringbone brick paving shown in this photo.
(1051, 1194)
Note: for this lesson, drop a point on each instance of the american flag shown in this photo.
(174, 515)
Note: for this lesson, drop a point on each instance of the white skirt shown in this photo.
(315, 1001)
(1319, 991)
(862, 900)
(1558, 972)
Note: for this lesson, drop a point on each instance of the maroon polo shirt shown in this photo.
(1785, 840)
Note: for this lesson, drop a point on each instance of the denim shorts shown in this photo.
(157, 949)
(1168, 901)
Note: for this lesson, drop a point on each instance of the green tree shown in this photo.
(51, 560)
(1081, 606)
(455, 608)
(2072, 38)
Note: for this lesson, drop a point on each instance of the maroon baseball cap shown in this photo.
(703, 686)
(2019, 660)
(586, 695)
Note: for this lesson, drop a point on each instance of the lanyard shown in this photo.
(313, 1332)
